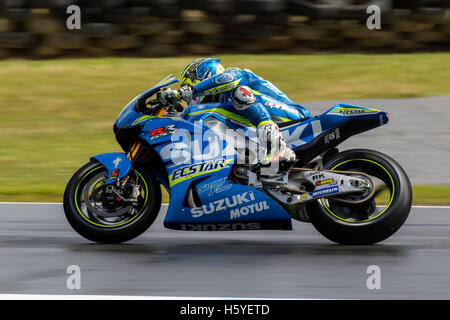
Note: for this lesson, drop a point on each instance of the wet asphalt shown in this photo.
(37, 245)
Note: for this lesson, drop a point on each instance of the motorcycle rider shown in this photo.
(205, 80)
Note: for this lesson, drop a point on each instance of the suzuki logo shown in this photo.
(116, 162)
(245, 92)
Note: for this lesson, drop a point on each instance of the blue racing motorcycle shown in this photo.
(205, 156)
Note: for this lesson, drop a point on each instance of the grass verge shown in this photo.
(55, 114)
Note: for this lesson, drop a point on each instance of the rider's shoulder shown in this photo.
(238, 72)
(232, 70)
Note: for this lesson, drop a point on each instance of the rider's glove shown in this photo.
(186, 93)
(168, 96)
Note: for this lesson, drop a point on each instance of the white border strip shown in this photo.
(432, 207)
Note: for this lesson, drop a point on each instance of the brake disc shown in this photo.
(93, 204)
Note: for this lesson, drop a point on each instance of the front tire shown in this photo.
(369, 222)
(110, 222)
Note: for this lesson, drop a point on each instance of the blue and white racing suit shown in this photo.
(268, 103)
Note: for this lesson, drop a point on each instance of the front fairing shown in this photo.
(191, 162)
(129, 115)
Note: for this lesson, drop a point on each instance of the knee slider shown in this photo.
(242, 97)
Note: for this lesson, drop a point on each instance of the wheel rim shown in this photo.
(87, 189)
(371, 209)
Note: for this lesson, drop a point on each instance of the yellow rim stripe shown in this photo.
(390, 201)
(103, 225)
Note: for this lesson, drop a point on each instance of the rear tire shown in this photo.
(134, 222)
(373, 229)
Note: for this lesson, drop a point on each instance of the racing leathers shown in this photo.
(257, 100)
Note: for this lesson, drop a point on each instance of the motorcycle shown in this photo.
(354, 197)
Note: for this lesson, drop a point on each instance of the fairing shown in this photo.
(193, 168)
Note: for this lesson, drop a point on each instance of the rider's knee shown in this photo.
(242, 97)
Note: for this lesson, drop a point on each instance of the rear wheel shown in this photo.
(374, 219)
(108, 213)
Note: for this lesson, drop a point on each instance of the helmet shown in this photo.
(199, 70)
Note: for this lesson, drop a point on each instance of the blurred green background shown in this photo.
(57, 113)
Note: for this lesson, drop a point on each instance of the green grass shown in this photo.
(431, 195)
(55, 114)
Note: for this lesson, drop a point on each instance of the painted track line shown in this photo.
(120, 297)
(166, 204)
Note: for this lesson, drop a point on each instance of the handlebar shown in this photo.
(153, 102)
(155, 105)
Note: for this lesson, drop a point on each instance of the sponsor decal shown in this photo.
(322, 192)
(161, 132)
(116, 162)
(245, 92)
(214, 187)
(221, 226)
(322, 182)
(352, 111)
(293, 138)
(316, 176)
(277, 105)
(197, 169)
(249, 209)
(114, 174)
(223, 204)
(332, 136)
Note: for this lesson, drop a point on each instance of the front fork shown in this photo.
(133, 154)
(137, 151)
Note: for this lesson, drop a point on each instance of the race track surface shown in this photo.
(417, 135)
(37, 245)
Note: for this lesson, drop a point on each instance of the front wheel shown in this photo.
(374, 219)
(111, 213)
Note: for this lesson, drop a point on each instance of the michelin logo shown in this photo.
(322, 192)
